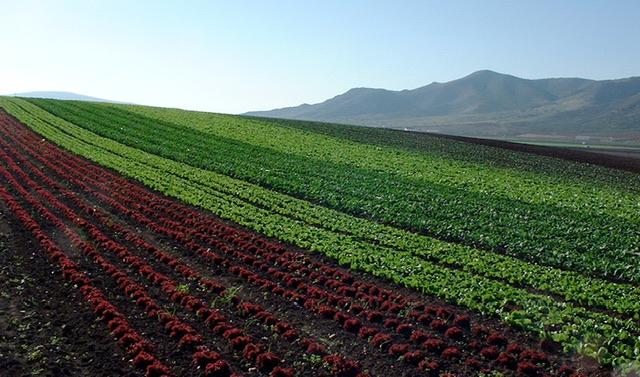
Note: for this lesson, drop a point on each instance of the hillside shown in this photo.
(267, 247)
(487, 103)
(67, 96)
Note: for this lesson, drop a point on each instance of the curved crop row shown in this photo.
(572, 326)
(585, 291)
(410, 354)
(415, 356)
(469, 211)
(254, 352)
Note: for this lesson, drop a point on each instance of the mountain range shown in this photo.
(488, 104)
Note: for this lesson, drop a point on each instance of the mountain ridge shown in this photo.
(509, 104)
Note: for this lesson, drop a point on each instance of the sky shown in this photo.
(238, 56)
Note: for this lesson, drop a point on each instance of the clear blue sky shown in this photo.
(237, 56)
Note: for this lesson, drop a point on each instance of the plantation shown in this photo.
(218, 245)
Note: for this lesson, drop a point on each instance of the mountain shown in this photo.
(486, 103)
(62, 96)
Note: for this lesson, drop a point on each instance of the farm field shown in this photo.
(197, 244)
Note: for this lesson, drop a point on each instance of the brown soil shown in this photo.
(46, 328)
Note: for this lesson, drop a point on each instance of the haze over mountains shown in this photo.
(488, 104)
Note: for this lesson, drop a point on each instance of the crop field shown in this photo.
(141, 241)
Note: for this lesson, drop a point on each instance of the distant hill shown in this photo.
(62, 96)
(487, 103)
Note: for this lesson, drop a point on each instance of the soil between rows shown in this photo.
(46, 327)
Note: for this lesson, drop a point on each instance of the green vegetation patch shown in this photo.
(200, 174)
(547, 218)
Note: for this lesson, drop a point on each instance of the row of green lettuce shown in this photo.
(611, 340)
(590, 227)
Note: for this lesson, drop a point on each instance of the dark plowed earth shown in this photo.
(46, 328)
(103, 277)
